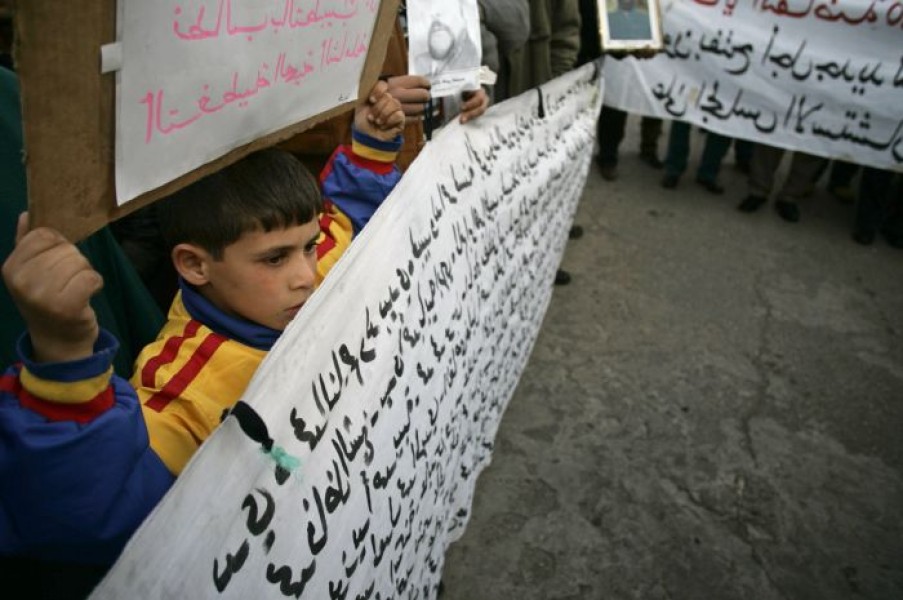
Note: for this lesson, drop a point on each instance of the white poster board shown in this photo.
(201, 77)
(389, 386)
(821, 77)
(444, 44)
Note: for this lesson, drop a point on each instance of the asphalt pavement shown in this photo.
(713, 409)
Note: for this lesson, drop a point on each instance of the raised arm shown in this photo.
(73, 445)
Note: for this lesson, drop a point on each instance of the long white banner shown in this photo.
(383, 397)
(824, 77)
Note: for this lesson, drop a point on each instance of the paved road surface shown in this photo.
(713, 410)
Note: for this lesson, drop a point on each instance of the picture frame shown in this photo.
(630, 24)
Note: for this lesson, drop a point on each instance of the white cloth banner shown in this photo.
(824, 77)
(201, 77)
(389, 385)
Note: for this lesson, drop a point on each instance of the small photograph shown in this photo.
(630, 24)
(444, 43)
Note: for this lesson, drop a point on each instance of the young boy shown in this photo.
(84, 455)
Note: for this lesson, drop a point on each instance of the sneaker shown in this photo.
(788, 211)
(751, 203)
(669, 181)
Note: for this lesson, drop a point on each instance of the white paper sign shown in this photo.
(201, 77)
(390, 384)
(824, 77)
(444, 44)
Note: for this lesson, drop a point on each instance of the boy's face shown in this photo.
(265, 277)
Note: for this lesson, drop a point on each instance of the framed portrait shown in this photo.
(630, 24)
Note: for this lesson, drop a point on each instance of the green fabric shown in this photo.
(124, 307)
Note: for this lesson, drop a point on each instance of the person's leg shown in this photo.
(840, 181)
(676, 155)
(872, 207)
(803, 171)
(713, 152)
(765, 161)
(743, 150)
(610, 132)
(650, 131)
(893, 224)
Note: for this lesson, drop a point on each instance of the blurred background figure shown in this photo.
(551, 50)
(505, 30)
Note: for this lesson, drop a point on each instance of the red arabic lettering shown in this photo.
(291, 16)
(154, 103)
(162, 121)
(336, 50)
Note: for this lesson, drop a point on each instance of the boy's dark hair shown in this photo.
(268, 189)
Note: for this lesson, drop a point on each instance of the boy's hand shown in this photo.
(52, 283)
(380, 116)
(413, 91)
(475, 104)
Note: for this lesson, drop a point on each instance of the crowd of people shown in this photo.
(108, 399)
(877, 195)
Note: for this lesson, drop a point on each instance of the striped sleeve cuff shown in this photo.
(73, 382)
(369, 147)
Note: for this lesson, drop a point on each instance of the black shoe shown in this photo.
(788, 211)
(576, 232)
(669, 181)
(712, 186)
(894, 238)
(742, 166)
(864, 236)
(651, 159)
(609, 172)
(845, 194)
(751, 204)
(562, 277)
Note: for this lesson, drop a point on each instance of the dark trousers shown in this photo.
(713, 151)
(610, 133)
(880, 202)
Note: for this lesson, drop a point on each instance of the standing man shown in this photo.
(610, 127)
(550, 51)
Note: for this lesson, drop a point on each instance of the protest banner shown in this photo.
(201, 83)
(824, 77)
(351, 462)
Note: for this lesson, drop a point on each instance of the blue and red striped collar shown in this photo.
(241, 330)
